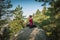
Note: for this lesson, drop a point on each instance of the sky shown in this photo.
(28, 6)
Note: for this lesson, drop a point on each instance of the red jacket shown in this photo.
(30, 21)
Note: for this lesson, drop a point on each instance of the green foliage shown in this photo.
(17, 24)
(2, 22)
(18, 13)
(38, 12)
(40, 16)
(6, 33)
(51, 25)
(5, 4)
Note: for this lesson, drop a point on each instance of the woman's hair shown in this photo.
(30, 16)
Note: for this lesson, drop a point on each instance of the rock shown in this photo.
(31, 34)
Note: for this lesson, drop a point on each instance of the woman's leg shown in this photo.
(34, 25)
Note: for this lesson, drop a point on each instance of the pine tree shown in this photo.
(18, 12)
(44, 10)
(18, 20)
(4, 5)
(54, 20)
(38, 12)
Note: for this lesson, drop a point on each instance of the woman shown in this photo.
(30, 23)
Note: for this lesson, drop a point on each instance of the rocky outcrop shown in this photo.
(4, 32)
(31, 34)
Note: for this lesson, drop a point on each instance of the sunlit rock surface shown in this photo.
(31, 34)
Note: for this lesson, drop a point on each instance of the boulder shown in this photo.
(31, 34)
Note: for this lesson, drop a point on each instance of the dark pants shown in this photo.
(31, 26)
